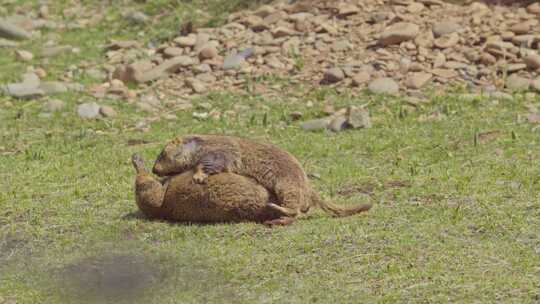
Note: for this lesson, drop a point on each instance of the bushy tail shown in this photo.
(336, 210)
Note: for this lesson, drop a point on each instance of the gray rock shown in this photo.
(23, 55)
(88, 110)
(338, 123)
(137, 17)
(28, 88)
(383, 85)
(315, 124)
(517, 83)
(31, 79)
(53, 87)
(358, 118)
(11, 31)
(7, 43)
(333, 75)
(54, 105)
(23, 90)
(74, 87)
(168, 66)
(444, 28)
(234, 61)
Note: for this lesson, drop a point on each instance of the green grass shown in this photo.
(456, 219)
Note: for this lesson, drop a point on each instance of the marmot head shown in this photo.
(177, 156)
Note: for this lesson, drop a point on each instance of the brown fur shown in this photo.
(275, 169)
(226, 197)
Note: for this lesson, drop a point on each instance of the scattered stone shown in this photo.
(53, 87)
(347, 10)
(186, 41)
(28, 88)
(168, 66)
(444, 73)
(107, 111)
(520, 28)
(23, 55)
(383, 85)
(4, 43)
(333, 75)
(361, 78)
(447, 41)
(88, 110)
(532, 61)
(282, 32)
(173, 52)
(11, 31)
(444, 28)
(358, 117)
(234, 61)
(517, 83)
(417, 80)
(23, 90)
(315, 124)
(54, 105)
(398, 33)
(208, 52)
(196, 85)
(534, 8)
(137, 17)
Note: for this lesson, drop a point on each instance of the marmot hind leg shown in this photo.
(282, 221)
(148, 190)
(292, 200)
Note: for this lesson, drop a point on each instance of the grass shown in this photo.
(456, 217)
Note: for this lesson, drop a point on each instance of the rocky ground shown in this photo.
(403, 47)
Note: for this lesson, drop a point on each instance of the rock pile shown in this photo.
(385, 46)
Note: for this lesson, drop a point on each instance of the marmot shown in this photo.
(226, 197)
(275, 169)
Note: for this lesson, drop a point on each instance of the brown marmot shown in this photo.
(226, 197)
(275, 169)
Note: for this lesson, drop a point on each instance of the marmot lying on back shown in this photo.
(275, 169)
(226, 197)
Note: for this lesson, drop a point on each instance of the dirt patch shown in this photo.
(350, 189)
(369, 188)
(108, 278)
(11, 247)
(135, 278)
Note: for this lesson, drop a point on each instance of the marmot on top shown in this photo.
(226, 197)
(275, 169)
